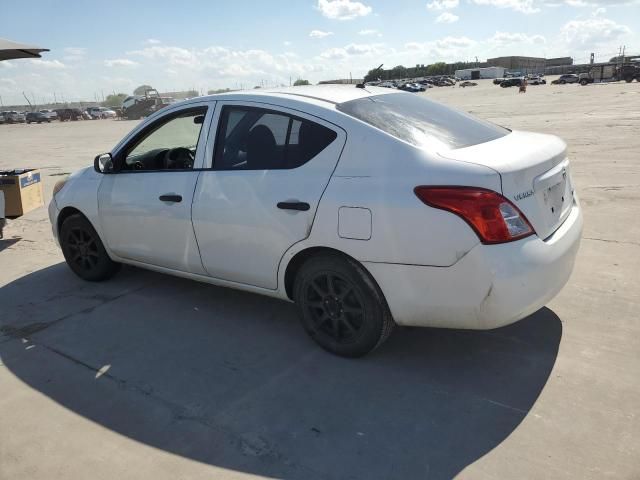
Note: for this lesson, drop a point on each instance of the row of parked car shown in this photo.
(518, 81)
(62, 114)
(418, 85)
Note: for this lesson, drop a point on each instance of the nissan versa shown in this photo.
(367, 207)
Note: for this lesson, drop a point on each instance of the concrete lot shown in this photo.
(148, 376)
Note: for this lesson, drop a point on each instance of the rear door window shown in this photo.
(422, 122)
(258, 139)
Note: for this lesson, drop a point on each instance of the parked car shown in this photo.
(2, 118)
(69, 114)
(12, 116)
(410, 87)
(536, 81)
(101, 112)
(37, 117)
(568, 78)
(467, 84)
(51, 114)
(303, 198)
(498, 81)
(511, 82)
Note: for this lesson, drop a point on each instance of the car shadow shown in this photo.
(7, 242)
(229, 378)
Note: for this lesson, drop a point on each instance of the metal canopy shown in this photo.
(11, 50)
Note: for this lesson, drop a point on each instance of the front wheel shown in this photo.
(341, 307)
(83, 250)
(583, 82)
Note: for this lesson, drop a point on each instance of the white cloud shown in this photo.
(343, 9)
(524, 6)
(120, 62)
(74, 54)
(351, 50)
(319, 34)
(447, 17)
(53, 64)
(174, 55)
(599, 3)
(592, 32)
(370, 31)
(501, 39)
(152, 41)
(80, 51)
(445, 49)
(443, 4)
(599, 11)
(286, 43)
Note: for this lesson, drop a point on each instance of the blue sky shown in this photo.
(101, 47)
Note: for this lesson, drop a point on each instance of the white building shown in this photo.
(478, 73)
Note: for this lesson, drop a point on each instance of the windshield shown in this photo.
(422, 122)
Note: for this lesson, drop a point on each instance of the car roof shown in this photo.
(314, 94)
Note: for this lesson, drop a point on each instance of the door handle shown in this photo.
(170, 197)
(299, 206)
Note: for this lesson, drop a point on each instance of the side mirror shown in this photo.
(103, 163)
(199, 120)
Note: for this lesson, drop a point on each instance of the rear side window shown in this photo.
(421, 122)
(258, 139)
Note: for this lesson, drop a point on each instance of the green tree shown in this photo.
(300, 82)
(141, 89)
(114, 100)
(220, 90)
(439, 68)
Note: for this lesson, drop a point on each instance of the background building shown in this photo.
(478, 73)
(519, 64)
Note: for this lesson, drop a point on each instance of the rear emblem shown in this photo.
(523, 195)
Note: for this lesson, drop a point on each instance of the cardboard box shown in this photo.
(22, 191)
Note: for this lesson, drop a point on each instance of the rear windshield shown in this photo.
(421, 122)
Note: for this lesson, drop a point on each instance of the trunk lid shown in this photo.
(534, 172)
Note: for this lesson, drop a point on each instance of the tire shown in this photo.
(340, 306)
(583, 82)
(562, 82)
(628, 79)
(83, 250)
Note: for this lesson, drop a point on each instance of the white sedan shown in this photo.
(367, 207)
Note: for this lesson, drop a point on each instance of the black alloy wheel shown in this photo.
(83, 250)
(341, 307)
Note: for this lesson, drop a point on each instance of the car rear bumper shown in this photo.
(490, 286)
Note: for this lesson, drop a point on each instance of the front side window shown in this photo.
(422, 122)
(259, 139)
(171, 145)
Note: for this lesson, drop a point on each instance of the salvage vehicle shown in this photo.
(138, 106)
(37, 117)
(367, 207)
(511, 82)
(50, 114)
(12, 116)
(568, 78)
(69, 114)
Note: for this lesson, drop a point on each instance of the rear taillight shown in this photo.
(494, 218)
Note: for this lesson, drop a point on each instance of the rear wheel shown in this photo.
(562, 82)
(341, 307)
(83, 250)
(583, 82)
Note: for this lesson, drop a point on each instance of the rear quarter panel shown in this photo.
(379, 173)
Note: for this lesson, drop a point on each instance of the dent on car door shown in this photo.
(270, 167)
(145, 206)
